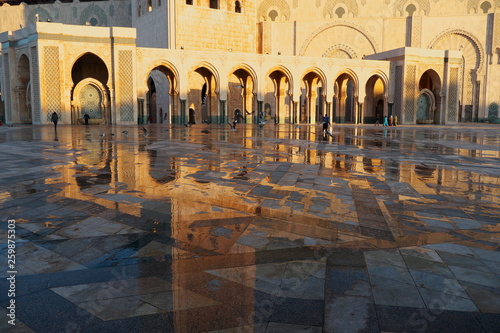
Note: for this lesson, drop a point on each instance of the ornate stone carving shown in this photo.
(399, 6)
(35, 84)
(281, 5)
(476, 44)
(340, 51)
(453, 95)
(330, 5)
(52, 80)
(125, 97)
(409, 97)
(94, 12)
(358, 28)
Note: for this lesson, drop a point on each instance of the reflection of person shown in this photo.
(55, 119)
(326, 122)
(86, 117)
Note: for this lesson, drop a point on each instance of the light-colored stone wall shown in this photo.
(290, 32)
(152, 26)
(58, 47)
(102, 13)
(204, 28)
(314, 10)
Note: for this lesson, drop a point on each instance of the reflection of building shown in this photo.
(422, 60)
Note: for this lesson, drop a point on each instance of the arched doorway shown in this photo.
(312, 98)
(345, 100)
(90, 94)
(90, 97)
(241, 94)
(375, 100)
(280, 84)
(429, 100)
(472, 67)
(151, 116)
(203, 95)
(23, 90)
(426, 106)
(161, 97)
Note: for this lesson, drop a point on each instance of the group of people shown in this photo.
(388, 121)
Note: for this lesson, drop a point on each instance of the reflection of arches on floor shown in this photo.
(375, 100)
(23, 90)
(90, 97)
(430, 84)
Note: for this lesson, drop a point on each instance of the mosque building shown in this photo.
(282, 61)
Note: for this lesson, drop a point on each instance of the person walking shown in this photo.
(55, 119)
(326, 123)
(86, 117)
(386, 121)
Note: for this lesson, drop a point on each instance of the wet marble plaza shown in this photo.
(258, 229)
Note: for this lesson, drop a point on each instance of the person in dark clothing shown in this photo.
(55, 119)
(326, 123)
(86, 117)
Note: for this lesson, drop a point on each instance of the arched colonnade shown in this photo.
(260, 88)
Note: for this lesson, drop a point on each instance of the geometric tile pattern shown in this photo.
(52, 90)
(8, 101)
(398, 93)
(276, 229)
(453, 95)
(35, 85)
(126, 85)
(410, 93)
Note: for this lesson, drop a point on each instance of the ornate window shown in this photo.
(411, 9)
(340, 12)
(189, 2)
(139, 11)
(237, 7)
(273, 14)
(214, 4)
(150, 5)
(486, 6)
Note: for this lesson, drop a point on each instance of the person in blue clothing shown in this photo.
(386, 121)
(326, 123)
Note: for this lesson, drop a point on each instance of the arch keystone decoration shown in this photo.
(358, 28)
(340, 47)
(473, 39)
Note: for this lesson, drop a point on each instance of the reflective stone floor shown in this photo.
(273, 229)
